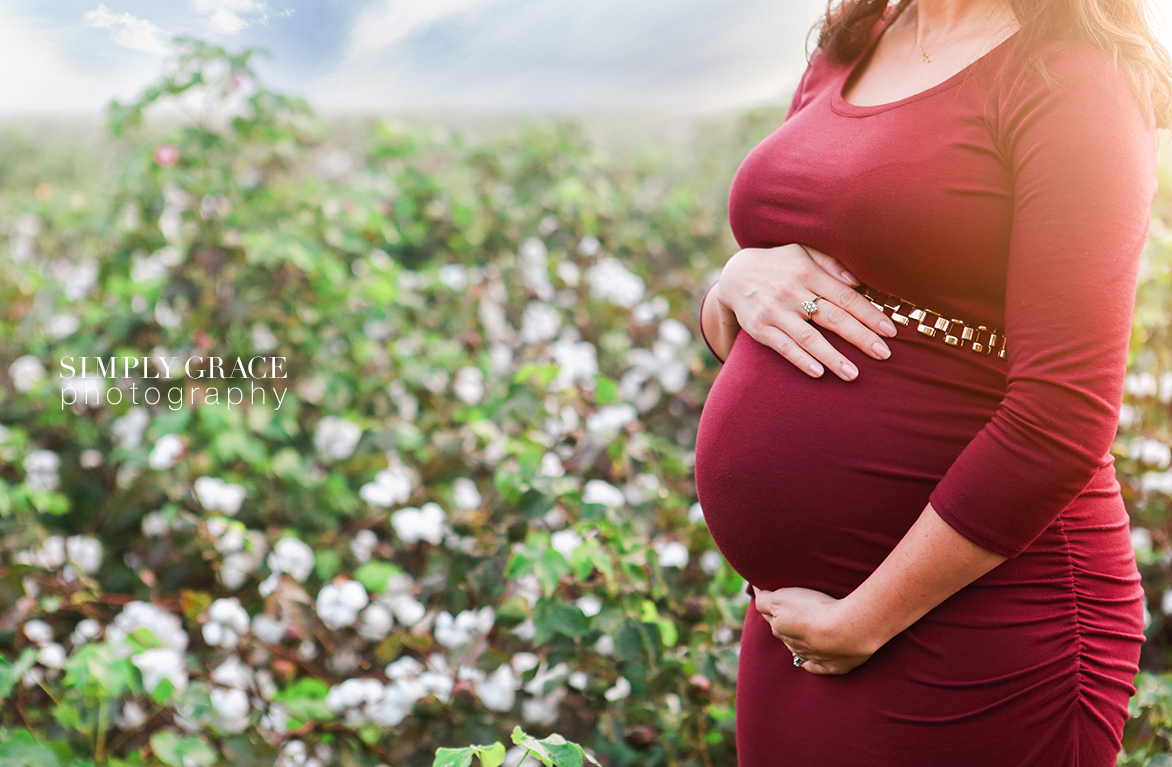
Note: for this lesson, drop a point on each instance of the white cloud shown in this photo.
(40, 77)
(390, 21)
(567, 55)
(227, 16)
(128, 30)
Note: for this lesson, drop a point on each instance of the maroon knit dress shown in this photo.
(998, 200)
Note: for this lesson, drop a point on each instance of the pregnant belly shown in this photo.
(811, 482)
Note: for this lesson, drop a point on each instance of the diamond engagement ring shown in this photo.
(811, 306)
(798, 660)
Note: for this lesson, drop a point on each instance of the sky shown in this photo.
(387, 56)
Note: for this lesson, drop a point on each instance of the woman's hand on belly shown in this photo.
(814, 626)
(763, 290)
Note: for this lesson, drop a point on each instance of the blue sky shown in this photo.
(397, 55)
(389, 55)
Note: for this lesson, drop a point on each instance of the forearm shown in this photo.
(718, 323)
(930, 564)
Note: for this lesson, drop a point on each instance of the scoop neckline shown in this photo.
(839, 103)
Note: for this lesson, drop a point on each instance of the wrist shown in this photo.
(861, 629)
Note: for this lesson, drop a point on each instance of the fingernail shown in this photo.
(850, 278)
(888, 328)
(849, 370)
(881, 350)
(815, 369)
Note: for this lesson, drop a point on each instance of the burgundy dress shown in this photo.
(998, 200)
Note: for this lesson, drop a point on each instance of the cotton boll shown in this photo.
(1142, 385)
(268, 629)
(85, 631)
(338, 605)
(621, 689)
(610, 280)
(460, 630)
(26, 372)
(235, 569)
(589, 246)
(525, 661)
(292, 556)
(710, 561)
(38, 632)
(390, 486)
(376, 623)
(579, 680)
(84, 552)
(166, 452)
(335, 438)
(540, 322)
(412, 525)
(453, 276)
(1141, 540)
(1156, 482)
(498, 692)
(404, 668)
(158, 664)
(551, 466)
(41, 467)
(227, 623)
(589, 605)
(672, 554)
(232, 708)
(577, 361)
(603, 493)
(541, 711)
(362, 547)
(51, 655)
(565, 542)
(608, 421)
(132, 716)
(214, 494)
(233, 672)
(1157, 454)
(129, 429)
(406, 609)
(675, 333)
(137, 616)
(465, 494)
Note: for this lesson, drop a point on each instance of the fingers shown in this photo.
(831, 265)
(784, 344)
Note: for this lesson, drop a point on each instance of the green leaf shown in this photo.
(182, 750)
(489, 756)
(606, 391)
(554, 751)
(11, 673)
(305, 700)
(21, 753)
(327, 563)
(374, 575)
(454, 757)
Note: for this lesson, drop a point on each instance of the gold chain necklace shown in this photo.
(928, 57)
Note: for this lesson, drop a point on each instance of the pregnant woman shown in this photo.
(906, 451)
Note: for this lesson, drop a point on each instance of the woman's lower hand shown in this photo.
(765, 289)
(816, 628)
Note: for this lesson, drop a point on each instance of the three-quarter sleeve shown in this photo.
(1082, 156)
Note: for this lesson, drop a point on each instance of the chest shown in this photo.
(914, 197)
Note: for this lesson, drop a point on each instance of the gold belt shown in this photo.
(980, 339)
